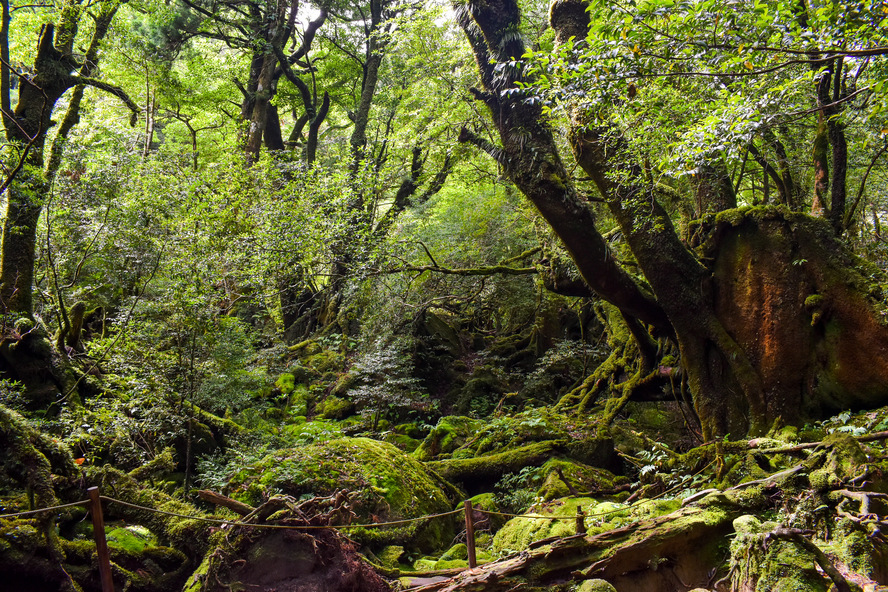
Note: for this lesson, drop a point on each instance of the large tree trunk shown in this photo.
(734, 375)
(794, 298)
(26, 192)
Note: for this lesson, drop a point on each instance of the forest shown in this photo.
(444, 295)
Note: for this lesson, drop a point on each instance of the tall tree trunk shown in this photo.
(715, 363)
(821, 168)
(26, 193)
(53, 64)
(715, 191)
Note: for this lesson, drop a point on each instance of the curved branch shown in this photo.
(114, 90)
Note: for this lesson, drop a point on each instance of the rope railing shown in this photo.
(44, 510)
(281, 526)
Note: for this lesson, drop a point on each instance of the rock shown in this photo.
(383, 484)
(596, 586)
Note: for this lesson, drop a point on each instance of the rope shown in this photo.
(41, 510)
(280, 526)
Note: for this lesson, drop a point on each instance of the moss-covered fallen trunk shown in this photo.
(489, 468)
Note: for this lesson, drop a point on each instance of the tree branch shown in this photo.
(114, 90)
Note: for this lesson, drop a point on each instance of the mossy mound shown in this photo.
(334, 407)
(581, 477)
(448, 435)
(558, 519)
(779, 566)
(384, 484)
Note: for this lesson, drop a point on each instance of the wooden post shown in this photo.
(95, 510)
(581, 521)
(470, 534)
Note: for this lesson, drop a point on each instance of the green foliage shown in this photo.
(516, 492)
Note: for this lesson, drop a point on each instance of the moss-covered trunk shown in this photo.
(734, 374)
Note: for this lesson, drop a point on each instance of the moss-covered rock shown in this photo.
(334, 407)
(596, 586)
(582, 478)
(390, 555)
(383, 483)
(405, 443)
(765, 565)
(488, 469)
(449, 434)
(558, 519)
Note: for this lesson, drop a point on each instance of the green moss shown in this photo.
(451, 564)
(778, 565)
(582, 477)
(390, 555)
(450, 433)
(286, 383)
(195, 582)
(131, 539)
(494, 464)
(324, 361)
(405, 443)
(384, 482)
(596, 586)
(518, 533)
(458, 551)
(334, 408)
(425, 564)
(814, 301)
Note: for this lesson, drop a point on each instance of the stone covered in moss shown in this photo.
(779, 566)
(596, 586)
(384, 484)
(334, 407)
(582, 477)
(448, 435)
(558, 519)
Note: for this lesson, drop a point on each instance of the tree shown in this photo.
(771, 320)
(27, 129)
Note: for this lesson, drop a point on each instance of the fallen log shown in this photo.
(226, 502)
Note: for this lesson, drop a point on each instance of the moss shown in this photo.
(405, 443)
(334, 408)
(196, 580)
(384, 484)
(596, 586)
(582, 477)
(285, 383)
(425, 564)
(390, 555)
(814, 301)
(518, 533)
(131, 539)
(409, 429)
(324, 361)
(495, 465)
(770, 565)
(458, 551)
(450, 433)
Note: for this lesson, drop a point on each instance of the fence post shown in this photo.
(470, 534)
(95, 510)
(581, 521)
